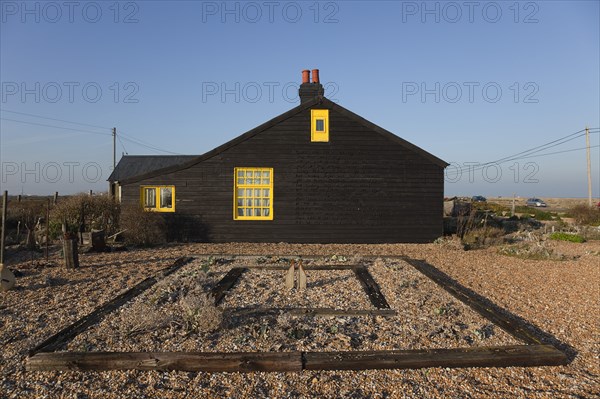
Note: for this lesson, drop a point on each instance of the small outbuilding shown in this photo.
(317, 173)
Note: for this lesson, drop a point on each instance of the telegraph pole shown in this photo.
(114, 134)
(589, 165)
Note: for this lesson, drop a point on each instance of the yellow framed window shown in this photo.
(253, 194)
(158, 198)
(319, 125)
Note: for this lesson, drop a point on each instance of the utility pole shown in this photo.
(114, 147)
(589, 165)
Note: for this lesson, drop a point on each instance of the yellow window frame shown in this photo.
(158, 201)
(319, 125)
(252, 193)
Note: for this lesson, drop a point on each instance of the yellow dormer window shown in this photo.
(319, 122)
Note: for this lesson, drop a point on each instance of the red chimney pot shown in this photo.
(315, 75)
(305, 76)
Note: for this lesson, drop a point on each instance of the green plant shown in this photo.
(560, 236)
(537, 213)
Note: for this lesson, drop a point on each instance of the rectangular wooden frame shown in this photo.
(533, 353)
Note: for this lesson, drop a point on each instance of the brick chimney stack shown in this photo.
(308, 90)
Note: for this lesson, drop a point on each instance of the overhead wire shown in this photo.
(528, 153)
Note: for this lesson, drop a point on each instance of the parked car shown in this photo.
(478, 198)
(536, 202)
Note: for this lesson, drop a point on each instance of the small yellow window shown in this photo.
(158, 198)
(253, 194)
(319, 130)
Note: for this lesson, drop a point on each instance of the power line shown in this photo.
(559, 152)
(55, 119)
(122, 145)
(530, 151)
(131, 139)
(56, 127)
(149, 146)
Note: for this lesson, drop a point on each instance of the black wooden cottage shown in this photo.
(317, 173)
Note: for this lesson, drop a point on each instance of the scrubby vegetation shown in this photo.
(84, 212)
(560, 236)
(531, 251)
(142, 228)
(585, 215)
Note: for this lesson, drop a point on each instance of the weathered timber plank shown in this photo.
(315, 267)
(371, 287)
(312, 312)
(501, 356)
(66, 334)
(182, 361)
(478, 303)
(219, 290)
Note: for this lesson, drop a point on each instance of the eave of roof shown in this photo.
(278, 119)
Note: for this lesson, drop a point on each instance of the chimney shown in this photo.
(308, 90)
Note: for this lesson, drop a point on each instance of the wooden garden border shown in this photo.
(534, 353)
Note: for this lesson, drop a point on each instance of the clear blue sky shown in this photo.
(162, 68)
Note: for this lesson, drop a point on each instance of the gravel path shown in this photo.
(559, 297)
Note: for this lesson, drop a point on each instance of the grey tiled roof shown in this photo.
(133, 165)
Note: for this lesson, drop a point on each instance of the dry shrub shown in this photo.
(199, 313)
(141, 227)
(483, 237)
(28, 213)
(585, 215)
(141, 320)
(92, 212)
(532, 251)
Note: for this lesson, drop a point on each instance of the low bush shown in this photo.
(483, 237)
(585, 215)
(531, 251)
(199, 313)
(87, 212)
(560, 236)
(142, 228)
(537, 213)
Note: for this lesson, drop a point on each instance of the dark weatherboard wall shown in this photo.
(360, 187)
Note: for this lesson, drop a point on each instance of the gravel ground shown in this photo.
(559, 297)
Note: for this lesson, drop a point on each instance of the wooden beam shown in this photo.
(181, 361)
(371, 287)
(314, 312)
(308, 267)
(500, 317)
(68, 333)
(221, 288)
(499, 356)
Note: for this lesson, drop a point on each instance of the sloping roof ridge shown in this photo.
(386, 133)
(233, 142)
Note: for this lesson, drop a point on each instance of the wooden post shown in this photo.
(19, 198)
(3, 234)
(47, 227)
(589, 165)
(70, 254)
(289, 277)
(55, 198)
(91, 193)
(301, 277)
(512, 209)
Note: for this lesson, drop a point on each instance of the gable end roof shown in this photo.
(278, 119)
